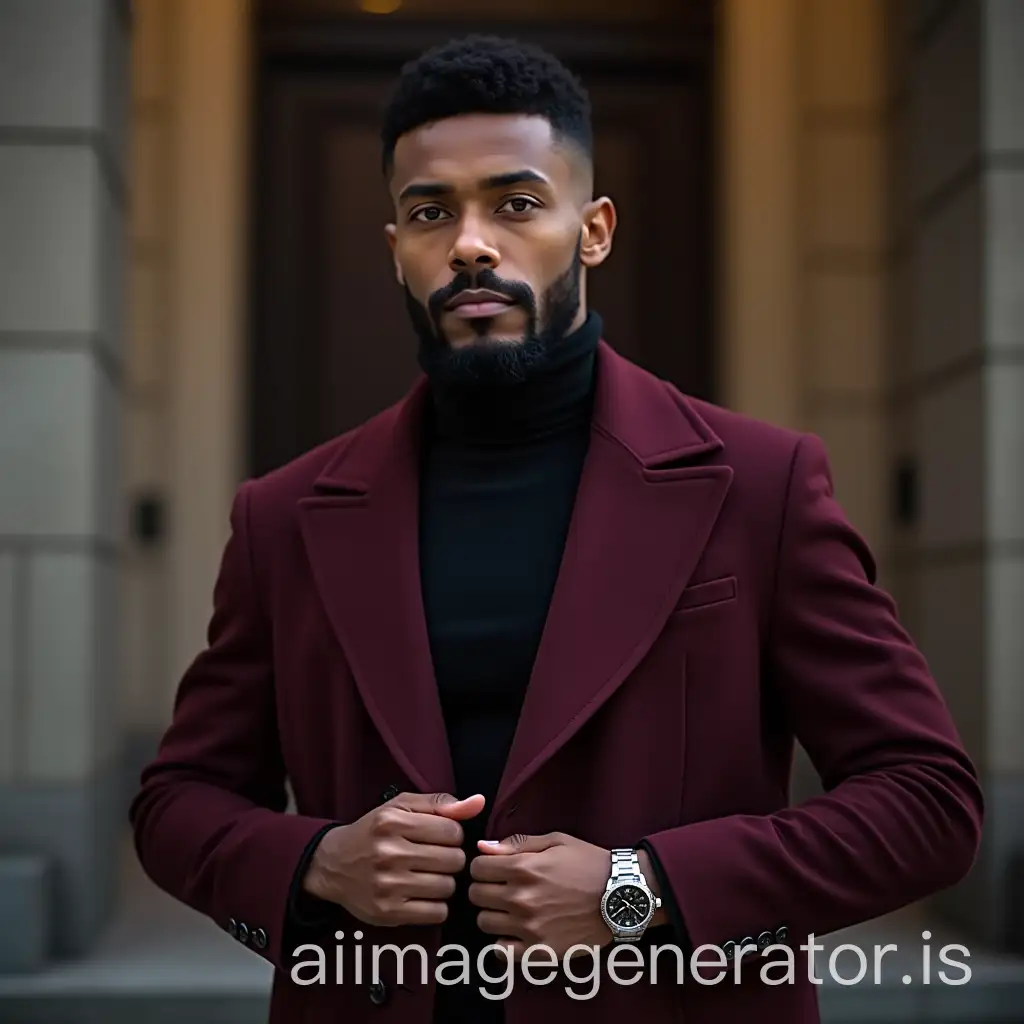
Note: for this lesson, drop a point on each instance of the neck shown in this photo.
(553, 398)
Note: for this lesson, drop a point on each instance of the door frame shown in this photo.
(300, 43)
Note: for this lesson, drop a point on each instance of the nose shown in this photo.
(471, 250)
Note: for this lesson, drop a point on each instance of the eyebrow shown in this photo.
(431, 189)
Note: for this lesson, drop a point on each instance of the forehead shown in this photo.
(464, 149)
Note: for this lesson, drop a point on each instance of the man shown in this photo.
(545, 628)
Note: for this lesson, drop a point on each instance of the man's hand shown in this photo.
(541, 890)
(396, 864)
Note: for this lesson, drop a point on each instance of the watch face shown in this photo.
(628, 906)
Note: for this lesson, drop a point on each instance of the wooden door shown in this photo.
(330, 340)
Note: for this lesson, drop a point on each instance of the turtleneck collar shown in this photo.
(552, 400)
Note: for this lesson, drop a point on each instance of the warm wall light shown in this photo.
(380, 6)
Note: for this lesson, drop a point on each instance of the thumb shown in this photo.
(449, 807)
(520, 843)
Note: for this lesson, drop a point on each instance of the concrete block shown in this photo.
(948, 271)
(50, 209)
(1004, 696)
(952, 634)
(856, 442)
(50, 409)
(150, 162)
(25, 898)
(1004, 258)
(9, 683)
(1004, 428)
(145, 340)
(72, 665)
(846, 191)
(953, 462)
(946, 102)
(78, 827)
(847, 332)
(1004, 74)
(51, 63)
(151, 49)
(845, 54)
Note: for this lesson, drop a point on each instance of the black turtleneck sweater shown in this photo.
(501, 466)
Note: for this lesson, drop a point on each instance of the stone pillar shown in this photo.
(843, 246)
(759, 121)
(63, 91)
(209, 168)
(185, 360)
(962, 382)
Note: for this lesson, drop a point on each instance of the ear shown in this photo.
(392, 236)
(599, 220)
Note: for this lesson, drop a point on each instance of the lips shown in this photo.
(479, 302)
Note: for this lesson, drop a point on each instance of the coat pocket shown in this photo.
(711, 592)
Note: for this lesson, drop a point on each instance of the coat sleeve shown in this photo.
(901, 811)
(209, 819)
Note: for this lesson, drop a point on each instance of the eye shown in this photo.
(429, 214)
(519, 204)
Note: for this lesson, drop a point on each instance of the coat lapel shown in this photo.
(361, 531)
(645, 509)
(642, 518)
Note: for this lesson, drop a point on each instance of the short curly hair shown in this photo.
(482, 74)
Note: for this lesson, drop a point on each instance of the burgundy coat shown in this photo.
(713, 604)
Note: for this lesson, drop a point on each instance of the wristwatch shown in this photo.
(628, 904)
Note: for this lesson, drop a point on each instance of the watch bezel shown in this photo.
(634, 930)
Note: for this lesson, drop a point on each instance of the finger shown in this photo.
(489, 896)
(497, 922)
(440, 803)
(429, 829)
(444, 860)
(460, 810)
(519, 843)
(426, 885)
(422, 912)
(495, 869)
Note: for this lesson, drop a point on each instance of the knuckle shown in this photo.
(521, 871)
(520, 901)
(385, 821)
(387, 853)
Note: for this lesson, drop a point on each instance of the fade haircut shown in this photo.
(482, 74)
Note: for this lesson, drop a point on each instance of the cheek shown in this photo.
(423, 263)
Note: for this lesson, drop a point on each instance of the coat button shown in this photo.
(746, 944)
(259, 938)
(782, 934)
(378, 993)
(232, 928)
(243, 932)
(729, 949)
(764, 940)
(389, 794)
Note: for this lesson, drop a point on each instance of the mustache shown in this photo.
(517, 291)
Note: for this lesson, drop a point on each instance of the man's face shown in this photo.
(494, 224)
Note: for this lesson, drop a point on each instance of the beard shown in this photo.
(489, 360)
